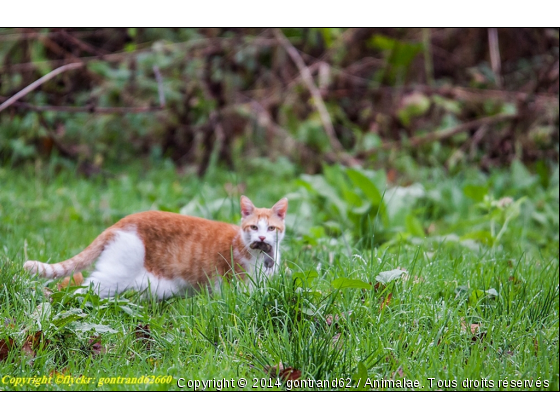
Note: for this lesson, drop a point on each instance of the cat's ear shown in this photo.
(247, 207)
(281, 208)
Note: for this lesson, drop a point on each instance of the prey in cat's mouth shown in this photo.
(263, 246)
(266, 250)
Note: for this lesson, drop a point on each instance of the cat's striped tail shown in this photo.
(77, 263)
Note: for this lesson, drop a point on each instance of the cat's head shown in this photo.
(263, 225)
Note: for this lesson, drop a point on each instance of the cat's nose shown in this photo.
(262, 238)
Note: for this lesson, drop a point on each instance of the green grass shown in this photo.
(415, 327)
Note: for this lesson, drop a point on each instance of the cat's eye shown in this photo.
(271, 228)
(254, 227)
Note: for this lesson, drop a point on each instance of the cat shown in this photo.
(167, 254)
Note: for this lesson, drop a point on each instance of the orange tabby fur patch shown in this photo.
(71, 281)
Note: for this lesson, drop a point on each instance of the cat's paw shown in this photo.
(31, 266)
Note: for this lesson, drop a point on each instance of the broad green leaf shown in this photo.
(42, 312)
(461, 291)
(319, 185)
(308, 311)
(333, 226)
(86, 326)
(388, 276)
(334, 175)
(542, 171)
(475, 192)
(371, 140)
(311, 274)
(365, 184)
(475, 296)
(363, 209)
(346, 283)
(303, 278)
(448, 105)
(361, 376)
(414, 105)
(482, 236)
(130, 311)
(414, 226)
(64, 318)
(514, 209)
(520, 176)
(492, 293)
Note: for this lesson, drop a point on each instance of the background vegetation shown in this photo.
(451, 97)
(421, 167)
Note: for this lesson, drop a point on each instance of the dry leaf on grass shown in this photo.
(5, 346)
(55, 372)
(536, 346)
(333, 319)
(474, 329)
(514, 280)
(10, 322)
(399, 372)
(95, 346)
(386, 301)
(286, 374)
(478, 337)
(275, 370)
(330, 319)
(33, 343)
(143, 334)
(336, 338)
(477, 334)
(290, 374)
(47, 293)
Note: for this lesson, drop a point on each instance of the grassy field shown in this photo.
(449, 283)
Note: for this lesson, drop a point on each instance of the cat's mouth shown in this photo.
(263, 246)
(266, 250)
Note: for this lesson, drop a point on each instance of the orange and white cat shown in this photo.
(165, 254)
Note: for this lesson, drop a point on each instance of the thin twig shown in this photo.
(443, 134)
(38, 83)
(308, 79)
(57, 49)
(495, 61)
(428, 59)
(159, 86)
(116, 57)
(81, 44)
(89, 109)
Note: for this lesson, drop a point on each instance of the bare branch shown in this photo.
(308, 79)
(444, 134)
(81, 44)
(38, 83)
(160, 86)
(494, 47)
(89, 109)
